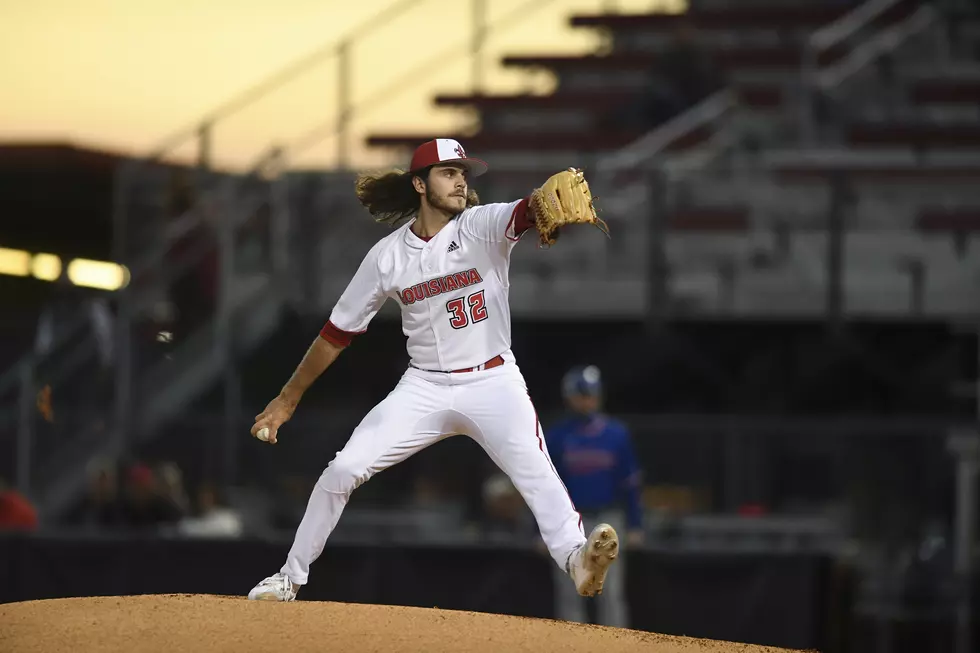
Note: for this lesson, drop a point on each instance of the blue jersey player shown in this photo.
(593, 454)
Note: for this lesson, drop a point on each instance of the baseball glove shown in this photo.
(563, 199)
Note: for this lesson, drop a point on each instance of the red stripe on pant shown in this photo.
(537, 432)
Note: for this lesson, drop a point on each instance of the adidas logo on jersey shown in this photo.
(452, 247)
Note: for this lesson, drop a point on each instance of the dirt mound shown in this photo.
(189, 622)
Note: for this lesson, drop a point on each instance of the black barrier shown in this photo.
(772, 600)
(760, 599)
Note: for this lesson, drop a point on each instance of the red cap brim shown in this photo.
(476, 167)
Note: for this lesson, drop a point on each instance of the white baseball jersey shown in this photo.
(452, 288)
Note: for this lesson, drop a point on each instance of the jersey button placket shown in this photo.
(434, 315)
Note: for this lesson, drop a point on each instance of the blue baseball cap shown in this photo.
(583, 380)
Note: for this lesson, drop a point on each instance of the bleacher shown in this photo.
(816, 91)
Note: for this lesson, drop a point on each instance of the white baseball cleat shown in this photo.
(274, 588)
(588, 564)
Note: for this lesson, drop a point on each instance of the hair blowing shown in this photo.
(391, 197)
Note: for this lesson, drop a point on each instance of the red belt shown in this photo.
(496, 361)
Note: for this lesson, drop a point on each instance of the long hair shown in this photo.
(390, 196)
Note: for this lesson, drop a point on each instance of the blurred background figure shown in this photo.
(192, 294)
(82, 399)
(101, 508)
(17, 513)
(148, 506)
(594, 457)
(213, 518)
(684, 73)
(172, 489)
(506, 515)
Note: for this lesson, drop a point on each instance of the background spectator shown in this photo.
(213, 518)
(593, 453)
(147, 506)
(506, 515)
(102, 507)
(17, 513)
(684, 73)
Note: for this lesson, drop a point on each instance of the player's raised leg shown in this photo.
(507, 427)
(409, 419)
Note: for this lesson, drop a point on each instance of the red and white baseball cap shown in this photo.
(445, 150)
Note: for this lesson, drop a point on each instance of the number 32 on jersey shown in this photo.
(464, 311)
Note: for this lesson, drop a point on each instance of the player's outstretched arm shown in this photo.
(356, 307)
(321, 354)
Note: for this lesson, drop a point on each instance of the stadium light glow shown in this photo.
(98, 274)
(15, 262)
(46, 267)
(103, 275)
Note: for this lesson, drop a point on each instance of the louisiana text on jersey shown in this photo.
(434, 287)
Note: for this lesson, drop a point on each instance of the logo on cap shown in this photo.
(459, 151)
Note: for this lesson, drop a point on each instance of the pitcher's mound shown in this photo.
(189, 623)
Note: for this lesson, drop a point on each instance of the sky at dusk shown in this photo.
(124, 75)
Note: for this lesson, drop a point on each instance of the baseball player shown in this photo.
(446, 266)
(594, 456)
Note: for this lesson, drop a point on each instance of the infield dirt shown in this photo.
(185, 623)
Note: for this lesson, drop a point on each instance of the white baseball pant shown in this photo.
(490, 406)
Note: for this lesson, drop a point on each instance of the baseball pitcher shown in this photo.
(446, 266)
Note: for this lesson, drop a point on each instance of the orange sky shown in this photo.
(125, 74)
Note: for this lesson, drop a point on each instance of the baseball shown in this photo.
(263, 434)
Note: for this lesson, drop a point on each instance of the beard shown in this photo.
(450, 204)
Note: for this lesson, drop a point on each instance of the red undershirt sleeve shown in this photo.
(336, 336)
(523, 217)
